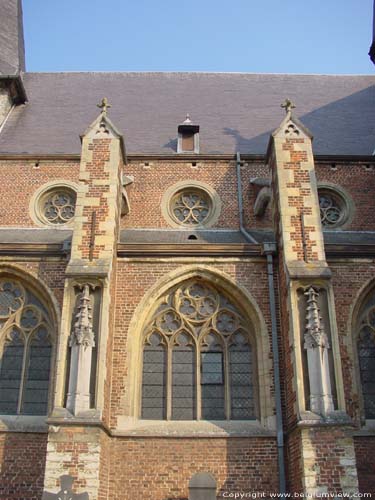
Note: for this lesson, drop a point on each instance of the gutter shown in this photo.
(269, 249)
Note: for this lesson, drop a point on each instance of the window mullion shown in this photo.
(169, 381)
(198, 393)
(23, 375)
(226, 381)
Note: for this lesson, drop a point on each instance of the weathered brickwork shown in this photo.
(24, 178)
(74, 451)
(349, 277)
(365, 452)
(239, 465)
(22, 457)
(358, 180)
(136, 278)
(123, 467)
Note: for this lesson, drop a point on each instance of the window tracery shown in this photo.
(334, 207)
(198, 358)
(366, 354)
(191, 207)
(58, 206)
(25, 350)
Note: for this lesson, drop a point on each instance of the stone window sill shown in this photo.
(367, 430)
(23, 423)
(191, 429)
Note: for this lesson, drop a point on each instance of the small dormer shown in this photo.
(188, 137)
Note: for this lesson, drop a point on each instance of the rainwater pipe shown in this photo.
(269, 249)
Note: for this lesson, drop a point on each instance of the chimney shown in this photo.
(372, 48)
(188, 137)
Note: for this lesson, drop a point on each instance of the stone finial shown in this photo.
(187, 120)
(104, 105)
(288, 105)
(315, 335)
(83, 333)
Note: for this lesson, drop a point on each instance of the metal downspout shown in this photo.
(269, 249)
(240, 204)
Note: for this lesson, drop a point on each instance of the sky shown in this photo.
(255, 36)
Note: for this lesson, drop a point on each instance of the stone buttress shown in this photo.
(77, 419)
(320, 450)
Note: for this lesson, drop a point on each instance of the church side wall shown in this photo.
(160, 469)
(21, 179)
(22, 458)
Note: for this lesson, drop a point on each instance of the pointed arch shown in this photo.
(362, 339)
(28, 311)
(238, 295)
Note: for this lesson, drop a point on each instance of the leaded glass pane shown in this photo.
(26, 351)
(196, 315)
(11, 372)
(35, 397)
(241, 388)
(154, 383)
(183, 380)
(212, 382)
(366, 351)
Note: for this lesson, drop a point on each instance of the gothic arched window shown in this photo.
(198, 358)
(25, 351)
(366, 355)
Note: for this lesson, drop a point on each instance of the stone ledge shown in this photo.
(23, 423)
(336, 418)
(191, 429)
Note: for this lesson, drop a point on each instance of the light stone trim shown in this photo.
(193, 184)
(311, 469)
(243, 300)
(49, 300)
(349, 206)
(35, 209)
(295, 336)
(351, 341)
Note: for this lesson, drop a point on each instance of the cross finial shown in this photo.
(288, 105)
(104, 105)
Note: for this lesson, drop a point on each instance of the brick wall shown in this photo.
(20, 179)
(238, 464)
(358, 179)
(365, 453)
(135, 278)
(22, 459)
(348, 277)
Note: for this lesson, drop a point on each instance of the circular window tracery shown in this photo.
(54, 204)
(191, 204)
(334, 207)
(59, 206)
(191, 207)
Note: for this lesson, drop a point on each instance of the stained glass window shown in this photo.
(366, 353)
(199, 350)
(25, 351)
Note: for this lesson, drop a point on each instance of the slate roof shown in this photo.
(236, 112)
(12, 49)
(34, 235)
